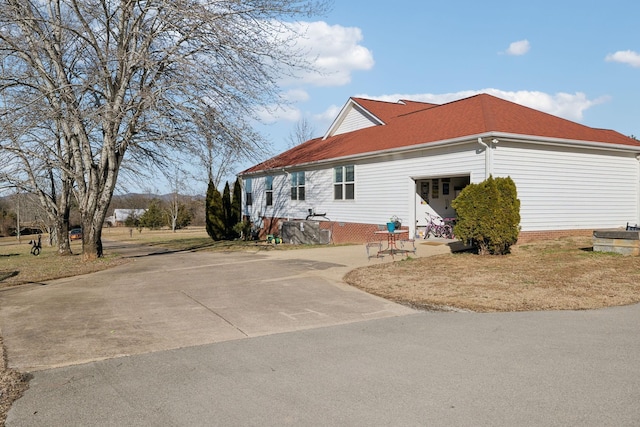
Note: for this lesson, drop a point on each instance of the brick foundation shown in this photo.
(349, 232)
(341, 232)
(353, 232)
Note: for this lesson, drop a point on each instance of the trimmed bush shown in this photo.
(488, 215)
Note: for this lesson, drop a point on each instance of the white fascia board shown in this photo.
(533, 139)
(381, 153)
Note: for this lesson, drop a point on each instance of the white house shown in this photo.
(409, 159)
(120, 216)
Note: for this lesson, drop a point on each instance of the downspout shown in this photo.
(488, 156)
(287, 183)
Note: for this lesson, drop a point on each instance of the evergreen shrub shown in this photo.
(488, 215)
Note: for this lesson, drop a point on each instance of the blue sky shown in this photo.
(576, 59)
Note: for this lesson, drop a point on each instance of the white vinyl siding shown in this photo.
(355, 119)
(385, 187)
(568, 188)
(559, 187)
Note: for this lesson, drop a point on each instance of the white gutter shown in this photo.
(367, 155)
(532, 139)
(505, 137)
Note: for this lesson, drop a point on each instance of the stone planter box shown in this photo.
(618, 241)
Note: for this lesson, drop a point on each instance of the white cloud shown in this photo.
(566, 105)
(277, 113)
(518, 48)
(328, 115)
(334, 53)
(286, 110)
(626, 57)
(333, 50)
(295, 95)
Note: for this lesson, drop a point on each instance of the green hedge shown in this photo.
(488, 215)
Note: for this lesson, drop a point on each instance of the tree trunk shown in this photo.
(91, 240)
(62, 236)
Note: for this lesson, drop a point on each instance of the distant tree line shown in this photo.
(162, 211)
(158, 215)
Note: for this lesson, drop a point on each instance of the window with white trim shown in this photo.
(297, 186)
(268, 185)
(344, 186)
(248, 192)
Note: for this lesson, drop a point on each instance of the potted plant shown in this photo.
(394, 223)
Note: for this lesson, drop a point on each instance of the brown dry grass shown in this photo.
(18, 266)
(563, 274)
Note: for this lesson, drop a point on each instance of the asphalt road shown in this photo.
(399, 368)
(461, 369)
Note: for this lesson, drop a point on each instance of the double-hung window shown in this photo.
(248, 191)
(297, 186)
(344, 183)
(268, 185)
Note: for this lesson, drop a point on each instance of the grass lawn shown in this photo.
(563, 274)
(18, 266)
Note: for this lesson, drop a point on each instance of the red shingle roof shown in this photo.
(413, 123)
(386, 111)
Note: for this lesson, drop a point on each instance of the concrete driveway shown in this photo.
(163, 300)
(342, 358)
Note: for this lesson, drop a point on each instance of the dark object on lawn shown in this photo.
(75, 234)
(36, 245)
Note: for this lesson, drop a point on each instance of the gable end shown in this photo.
(352, 117)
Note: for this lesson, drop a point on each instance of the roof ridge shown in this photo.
(433, 105)
(376, 100)
(487, 111)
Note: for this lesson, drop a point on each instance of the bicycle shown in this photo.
(438, 227)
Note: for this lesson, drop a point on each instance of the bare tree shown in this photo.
(173, 209)
(33, 146)
(129, 77)
(224, 141)
(302, 132)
